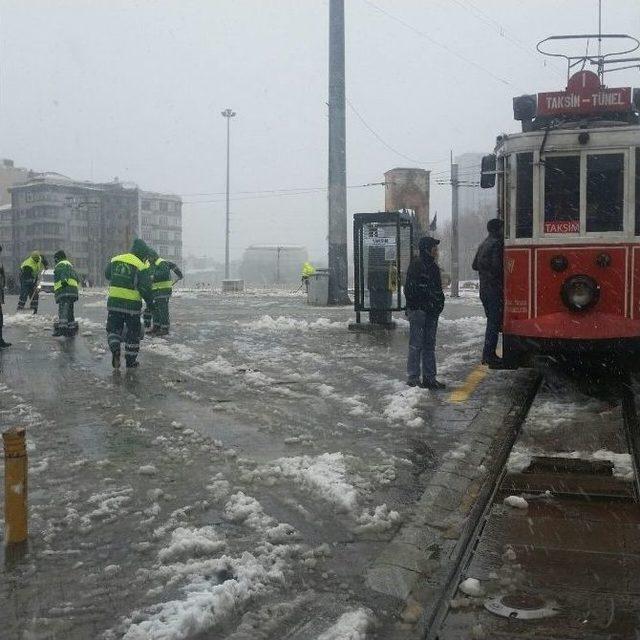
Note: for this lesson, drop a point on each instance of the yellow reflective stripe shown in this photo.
(129, 258)
(159, 261)
(164, 284)
(70, 281)
(125, 294)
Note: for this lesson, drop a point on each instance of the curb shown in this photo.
(415, 565)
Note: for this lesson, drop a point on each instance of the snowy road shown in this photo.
(237, 485)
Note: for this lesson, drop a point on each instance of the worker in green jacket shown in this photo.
(65, 289)
(162, 286)
(130, 283)
(30, 271)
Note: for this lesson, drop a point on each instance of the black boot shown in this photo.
(115, 359)
(434, 385)
(3, 344)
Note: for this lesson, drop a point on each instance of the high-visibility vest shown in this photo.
(72, 282)
(161, 284)
(128, 292)
(307, 270)
(36, 267)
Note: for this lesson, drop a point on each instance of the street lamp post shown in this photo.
(228, 114)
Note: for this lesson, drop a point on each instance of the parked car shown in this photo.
(46, 281)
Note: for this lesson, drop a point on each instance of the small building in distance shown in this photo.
(270, 264)
(11, 175)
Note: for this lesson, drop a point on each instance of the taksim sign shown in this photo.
(584, 95)
(562, 226)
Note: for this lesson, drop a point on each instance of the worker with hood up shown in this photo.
(130, 283)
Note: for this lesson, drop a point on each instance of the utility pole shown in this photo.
(455, 273)
(337, 187)
(228, 114)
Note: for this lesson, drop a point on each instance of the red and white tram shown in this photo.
(569, 193)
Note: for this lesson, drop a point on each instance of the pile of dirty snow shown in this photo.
(352, 625)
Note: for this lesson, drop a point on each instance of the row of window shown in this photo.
(162, 221)
(604, 193)
(160, 205)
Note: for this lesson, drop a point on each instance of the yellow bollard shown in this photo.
(15, 486)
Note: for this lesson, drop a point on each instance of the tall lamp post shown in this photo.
(228, 114)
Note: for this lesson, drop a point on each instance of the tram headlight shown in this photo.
(580, 292)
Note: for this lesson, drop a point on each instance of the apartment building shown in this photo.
(90, 221)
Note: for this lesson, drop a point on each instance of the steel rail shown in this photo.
(631, 427)
(479, 514)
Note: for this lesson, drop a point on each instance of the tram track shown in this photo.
(495, 486)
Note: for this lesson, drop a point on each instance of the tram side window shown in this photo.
(562, 194)
(524, 196)
(638, 191)
(605, 192)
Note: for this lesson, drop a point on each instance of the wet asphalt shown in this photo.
(119, 460)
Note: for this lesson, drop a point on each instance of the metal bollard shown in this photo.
(15, 486)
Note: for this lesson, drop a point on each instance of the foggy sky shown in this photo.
(132, 89)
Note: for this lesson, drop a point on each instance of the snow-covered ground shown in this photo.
(242, 478)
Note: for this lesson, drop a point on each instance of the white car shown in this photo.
(46, 281)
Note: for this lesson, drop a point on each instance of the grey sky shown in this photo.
(135, 90)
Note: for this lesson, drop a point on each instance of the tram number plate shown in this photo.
(564, 226)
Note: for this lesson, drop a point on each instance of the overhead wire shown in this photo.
(383, 142)
(437, 43)
(284, 193)
(484, 17)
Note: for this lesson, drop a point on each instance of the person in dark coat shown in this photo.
(425, 302)
(489, 264)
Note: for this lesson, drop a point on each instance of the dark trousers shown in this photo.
(493, 304)
(161, 313)
(124, 327)
(66, 322)
(28, 290)
(147, 317)
(423, 328)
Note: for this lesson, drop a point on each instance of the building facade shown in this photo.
(161, 223)
(11, 175)
(473, 200)
(91, 221)
(266, 264)
(476, 206)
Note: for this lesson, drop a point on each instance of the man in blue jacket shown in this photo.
(425, 302)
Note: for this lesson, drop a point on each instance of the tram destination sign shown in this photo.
(584, 95)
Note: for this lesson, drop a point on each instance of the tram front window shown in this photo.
(605, 192)
(562, 194)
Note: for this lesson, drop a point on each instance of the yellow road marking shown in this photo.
(461, 394)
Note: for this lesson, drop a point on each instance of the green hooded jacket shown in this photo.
(65, 281)
(130, 280)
